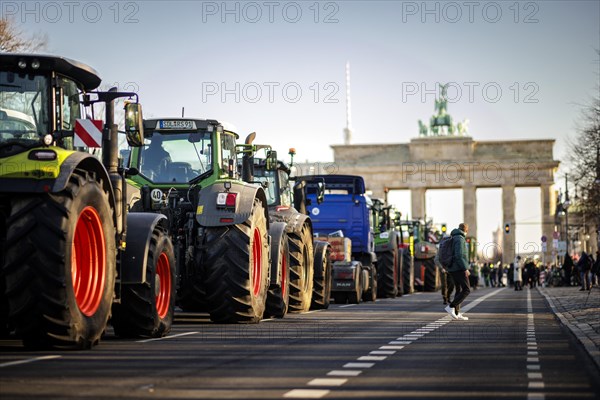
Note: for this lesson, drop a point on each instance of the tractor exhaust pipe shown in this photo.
(248, 159)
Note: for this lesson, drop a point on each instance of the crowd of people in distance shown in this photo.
(581, 270)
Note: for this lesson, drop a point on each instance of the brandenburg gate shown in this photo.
(444, 157)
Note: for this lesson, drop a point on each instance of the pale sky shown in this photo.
(523, 69)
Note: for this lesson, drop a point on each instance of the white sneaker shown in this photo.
(462, 317)
(451, 311)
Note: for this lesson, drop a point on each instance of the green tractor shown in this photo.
(309, 260)
(387, 242)
(219, 224)
(70, 253)
(423, 248)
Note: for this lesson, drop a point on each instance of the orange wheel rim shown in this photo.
(163, 298)
(88, 261)
(256, 252)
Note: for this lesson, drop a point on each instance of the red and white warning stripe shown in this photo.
(88, 132)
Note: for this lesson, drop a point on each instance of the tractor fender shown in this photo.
(295, 220)
(58, 172)
(276, 231)
(139, 233)
(389, 245)
(210, 215)
(320, 253)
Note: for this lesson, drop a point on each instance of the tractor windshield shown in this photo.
(262, 175)
(176, 157)
(23, 108)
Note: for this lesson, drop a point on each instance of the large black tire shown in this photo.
(146, 309)
(278, 296)
(301, 270)
(371, 293)
(355, 297)
(236, 265)
(322, 277)
(387, 273)
(4, 311)
(432, 276)
(408, 276)
(60, 264)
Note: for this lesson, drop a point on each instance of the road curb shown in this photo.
(587, 343)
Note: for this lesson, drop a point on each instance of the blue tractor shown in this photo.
(345, 220)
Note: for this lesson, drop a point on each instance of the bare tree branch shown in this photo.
(13, 40)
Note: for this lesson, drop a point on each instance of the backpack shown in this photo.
(446, 251)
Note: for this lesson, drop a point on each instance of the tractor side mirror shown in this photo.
(271, 162)
(134, 127)
(320, 192)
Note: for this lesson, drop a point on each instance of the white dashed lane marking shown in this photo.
(355, 368)
(28, 361)
(327, 382)
(535, 379)
(306, 393)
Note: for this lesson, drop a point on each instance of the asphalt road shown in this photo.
(512, 347)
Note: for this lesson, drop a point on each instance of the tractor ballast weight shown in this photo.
(64, 222)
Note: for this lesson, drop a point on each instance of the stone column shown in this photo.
(470, 208)
(548, 199)
(508, 215)
(417, 199)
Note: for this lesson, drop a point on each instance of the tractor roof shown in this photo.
(354, 184)
(80, 72)
(176, 125)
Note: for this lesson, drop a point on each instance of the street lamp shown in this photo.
(566, 205)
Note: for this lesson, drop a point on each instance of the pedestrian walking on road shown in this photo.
(584, 266)
(459, 269)
(567, 268)
(596, 270)
(446, 278)
(518, 273)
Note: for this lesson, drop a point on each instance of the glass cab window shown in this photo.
(175, 157)
(228, 151)
(68, 107)
(23, 107)
(285, 190)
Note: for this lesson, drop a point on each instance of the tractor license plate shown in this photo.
(166, 124)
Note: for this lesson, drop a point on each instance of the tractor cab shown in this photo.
(180, 152)
(31, 86)
(43, 97)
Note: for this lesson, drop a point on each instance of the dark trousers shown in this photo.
(447, 286)
(461, 283)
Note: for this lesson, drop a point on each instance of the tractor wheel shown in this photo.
(387, 273)
(340, 297)
(236, 263)
(4, 311)
(407, 272)
(371, 294)
(356, 296)
(301, 270)
(4, 325)
(432, 279)
(60, 264)
(146, 309)
(279, 294)
(322, 277)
